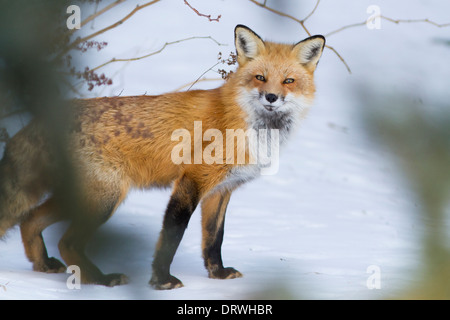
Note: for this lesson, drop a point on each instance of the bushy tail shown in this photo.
(22, 178)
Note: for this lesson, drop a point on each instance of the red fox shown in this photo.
(120, 143)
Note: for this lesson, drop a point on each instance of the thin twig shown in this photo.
(155, 52)
(396, 21)
(80, 40)
(97, 13)
(312, 12)
(208, 16)
(192, 83)
(302, 23)
(415, 21)
(345, 27)
(340, 58)
(198, 79)
(70, 86)
(4, 285)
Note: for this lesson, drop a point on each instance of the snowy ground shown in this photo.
(337, 205)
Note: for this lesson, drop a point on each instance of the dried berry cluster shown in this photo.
(230, 61)
(86, 45)
(90, 76)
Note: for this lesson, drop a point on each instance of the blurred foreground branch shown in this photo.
(29, 82)
(420, 142)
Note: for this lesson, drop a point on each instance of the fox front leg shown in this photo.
(213, 218)
(182, 204)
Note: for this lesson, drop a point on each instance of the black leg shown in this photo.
(179, 210)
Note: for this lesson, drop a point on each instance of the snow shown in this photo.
(338, 204)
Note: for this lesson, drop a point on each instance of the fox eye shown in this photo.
(260, 78)
(288, 80)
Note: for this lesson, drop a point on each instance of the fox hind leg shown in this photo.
(31, 230)
(72, 247)
(72, 244)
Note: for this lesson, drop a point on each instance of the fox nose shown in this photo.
(271, 98)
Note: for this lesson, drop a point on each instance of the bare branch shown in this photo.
(396, 21)
(198, 79)
(415, 21)
(208, 16)
(98, 13)
(340, 58)
(312, 12)
(345, 27)
(231, 60)
(301, 22)
(80, 40)
(192, 83)
(155, 52)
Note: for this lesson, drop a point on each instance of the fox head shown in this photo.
(275, 79)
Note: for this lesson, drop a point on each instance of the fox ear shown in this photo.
(309, 51)
(248, 44)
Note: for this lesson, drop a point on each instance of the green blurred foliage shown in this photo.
(419, 138)
(31, 33)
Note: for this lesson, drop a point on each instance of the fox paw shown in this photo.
(224, 273)
(114, 279)
(49, 265)
(167, 284)
(108, 280)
